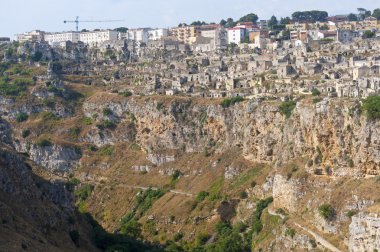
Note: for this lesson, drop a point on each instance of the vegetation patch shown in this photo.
(106, 150)
(286, 108)
(22, 117)
(371, 107)
(326, 211)
(43, 142)
(231, 101)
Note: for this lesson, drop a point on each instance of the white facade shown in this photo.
(235, 35)
(140, 35)
(218, 36)
(56, 38)
(157, 34)
(33, 36)
(95, 38)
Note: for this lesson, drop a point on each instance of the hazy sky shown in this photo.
(17, 16)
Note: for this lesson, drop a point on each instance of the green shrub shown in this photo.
(159, 105)
(75, 131)
(371, 107)
(350, 213)
(84, 192)
(48, 116)
(178, 236)
(201, 239)
(257, 226)
(92, 148)
(316, 100)
(126, 93)
(73, 182)
(201, 196)
(231, 101)
(14, 89)
(43, 142)
(22, 117)
(87, 120)
(150, 227)
(243, 195)
(286, 108)
(313, 243)
(107, 124)
(131, 228)
(106, 150)
(176, 174)
(290, 232)
(253, 184)
(25, 133)
(107, 112)
(326, 211)
(146, 199)
(223, 228)
(315, 92)
(240, 227)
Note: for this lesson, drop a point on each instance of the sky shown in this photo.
(17, 16)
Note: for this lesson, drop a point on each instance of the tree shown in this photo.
(198, 23)
(230, 23)
(285, 20)
(352, 17)
(37, 56)
(368, 34)
(251, 17)
(122, 29)
(223, 22)
(272, 22)
(310, 16)
(371, 107)
(376, 14)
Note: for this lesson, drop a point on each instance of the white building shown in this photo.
(235, 35)
(94, 38)
(56, 38)
(157, 34)
(33, 36)
(140, 35)
(218, 36)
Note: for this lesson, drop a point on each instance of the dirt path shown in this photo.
(319, 239)
(316, 236)
(144, 188)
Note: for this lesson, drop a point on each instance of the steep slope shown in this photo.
(37, 212)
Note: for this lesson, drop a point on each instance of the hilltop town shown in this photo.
(236, 136)
(250, 57)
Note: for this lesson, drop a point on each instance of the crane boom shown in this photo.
(76, 21)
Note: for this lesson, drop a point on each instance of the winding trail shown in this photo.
(144, 188)
(316, 236)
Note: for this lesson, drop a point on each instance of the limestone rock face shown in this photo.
(159, 159)
(54, 158)
(286, 193)
(364, 232)
(330, 133)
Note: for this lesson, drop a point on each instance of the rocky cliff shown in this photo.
(331, 135)
(323, 152)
